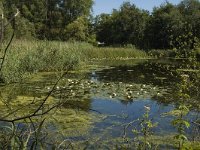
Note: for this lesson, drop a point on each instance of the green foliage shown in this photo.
(77, 30)
(4, 21)
(24, 28)
(169, 26)
(27, 57)
(146, 126)
(164, 19)
(124, 26)
(179, 122)
(191, 11)
(185, 43)
(45, 19)
(71, 9)
(174, 26)
(156, 53)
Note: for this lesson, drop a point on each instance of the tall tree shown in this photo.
(48, 18)
(77, 30)
(191, 11)
(103, 27)
(73, 12)
(72, 9)
(123, 26)
(165, 21)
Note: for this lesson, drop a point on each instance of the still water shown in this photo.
(100, 101)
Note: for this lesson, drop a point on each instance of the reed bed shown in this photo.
(27, 57)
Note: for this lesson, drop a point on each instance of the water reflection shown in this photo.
(117, 93)
(121, 114)
(145, 73)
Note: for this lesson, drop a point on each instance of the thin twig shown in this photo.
(127, 125)
(12, 18)
(16, 110)
(5, 52)
(35, 113)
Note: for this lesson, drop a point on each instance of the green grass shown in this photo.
(156, 53)
(113, 53)
(27, 57)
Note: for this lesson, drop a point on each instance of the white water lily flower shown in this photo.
(130, 92)
(143, 85)
(69, 80)
(114, 94)
(129, 97)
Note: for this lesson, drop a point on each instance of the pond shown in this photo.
(101, 104)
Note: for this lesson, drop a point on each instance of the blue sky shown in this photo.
(106, 6)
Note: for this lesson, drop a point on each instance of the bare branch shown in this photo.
(12, 18)
(35, 113)
(5, 51)
(17, 13)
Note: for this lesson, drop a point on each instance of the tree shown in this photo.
(72, 9)
(172, 26)
(103, 25)
(24, 28)
(77, 30)
(48, 18)
(165, 20)
(123, 26)
(5, 25)
(31, 15)
(133, 21)
(191, 11)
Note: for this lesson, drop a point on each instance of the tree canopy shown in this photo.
(167, 26)
(47, 19)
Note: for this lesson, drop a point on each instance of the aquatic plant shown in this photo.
(142, 139)
(179, 122)
(28, 57)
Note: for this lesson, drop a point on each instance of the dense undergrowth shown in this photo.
(27, 57)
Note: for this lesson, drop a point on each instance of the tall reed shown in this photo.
(27, 57)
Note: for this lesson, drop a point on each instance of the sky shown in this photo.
(106, 6)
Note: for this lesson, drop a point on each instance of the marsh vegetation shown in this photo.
(107, 106)
(60, 90)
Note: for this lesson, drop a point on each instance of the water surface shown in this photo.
(102, 99)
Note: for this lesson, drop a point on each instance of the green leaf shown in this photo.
(187, 124)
